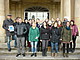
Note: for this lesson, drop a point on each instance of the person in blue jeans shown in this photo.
(55, 36)
(6, 24)
(33, 38)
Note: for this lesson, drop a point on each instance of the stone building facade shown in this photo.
(57, 8)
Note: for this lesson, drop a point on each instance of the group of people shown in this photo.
(42, 34)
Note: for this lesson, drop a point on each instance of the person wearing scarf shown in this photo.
(66, 38)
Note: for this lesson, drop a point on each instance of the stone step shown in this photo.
(27, 57)
(13, 52)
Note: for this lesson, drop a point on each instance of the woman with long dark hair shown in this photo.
(74, 35)
(45, 36)
(66, 38)
(55, 36)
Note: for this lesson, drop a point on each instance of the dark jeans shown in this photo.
(44, 44)
(65, 47)
(73, 44)
(39, 46)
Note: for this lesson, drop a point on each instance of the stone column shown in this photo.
(62, 10)
(7, 7)
(2, 17)
(67, 9)
(77, 13)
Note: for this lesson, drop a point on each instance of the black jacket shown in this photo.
(44, 33)
(6, 24)
(20, 30)
(16, 23)
(55, 34)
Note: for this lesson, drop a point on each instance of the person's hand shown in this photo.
(71, 41)
(29, 41)
(8, 29)
(41, 40)
(36, 38)
(61, 39)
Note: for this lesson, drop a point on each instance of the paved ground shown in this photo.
(5, 55)
(13, 57)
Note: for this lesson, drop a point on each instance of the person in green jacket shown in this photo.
(66, 38)
(33, 38)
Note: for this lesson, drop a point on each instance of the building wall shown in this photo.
(18, 8)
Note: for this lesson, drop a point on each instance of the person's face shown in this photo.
(53, 19)
(50, 23)
(44, 24)
(65, 19)
(55, 25)
(9, 17)
(20, 20)
(57, 19)
(30, 21)
(37, 21)
(46, 20)
(34, 24)
(59, 22)
(72, 23)
(26, 21)
(68, 23)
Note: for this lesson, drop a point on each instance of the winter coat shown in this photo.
(6, 24)
(33, 33)
(20, 30)
(74, 30)
(44, 33)
(55, 34)
(66, 35)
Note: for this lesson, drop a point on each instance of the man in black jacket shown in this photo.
(6, 25)
(20, 31)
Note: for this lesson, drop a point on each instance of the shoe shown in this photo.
(63, 54)
(9, 49)
(32, 54)
(67, 55)
(35, 55)
(52, 54)
(23, 55)
(73, 50)
(43, 52)
(18, 55)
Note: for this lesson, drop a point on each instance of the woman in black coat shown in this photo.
(45, 36)
(55, 36)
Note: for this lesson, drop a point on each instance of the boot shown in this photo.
(67, 55)
(35, 54)
(63, 54)
(56, 54)
(32, 55)
(52, 54)
(43, 52)
(23, 55)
